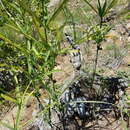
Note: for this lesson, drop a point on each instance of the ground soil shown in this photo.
(106, 57)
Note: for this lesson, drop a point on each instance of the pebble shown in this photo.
(128, 39)
(120, 29)
(128, 26)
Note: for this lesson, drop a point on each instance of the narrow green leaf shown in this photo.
(99, 4)
(18, 116)
(8, 41)
(35, 50)
(99, 11)
(20, 31)
(112, 3)
(57, 11)
(91, 6)
(8, 98)
(104, 8)
(34, 19)
(15, 7)
(37, 26)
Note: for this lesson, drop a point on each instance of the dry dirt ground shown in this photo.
(113, 59)
(107, 65)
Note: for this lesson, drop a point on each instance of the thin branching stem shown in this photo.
(98, 46)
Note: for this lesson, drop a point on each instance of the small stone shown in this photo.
(128, 26)
(121, 29)
(128, 39)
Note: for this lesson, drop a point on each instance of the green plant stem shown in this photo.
(45, 14)
(97, 53)
(95, 64)
(18, 117)
(40, 104)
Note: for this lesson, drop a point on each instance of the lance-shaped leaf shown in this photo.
(111, 4)
(16, 45)
(8, 41)
(91, 6)
(57, 11)
(8, 98)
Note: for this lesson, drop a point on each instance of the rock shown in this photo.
(128, 39)
(121, 29)
(128, 26)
